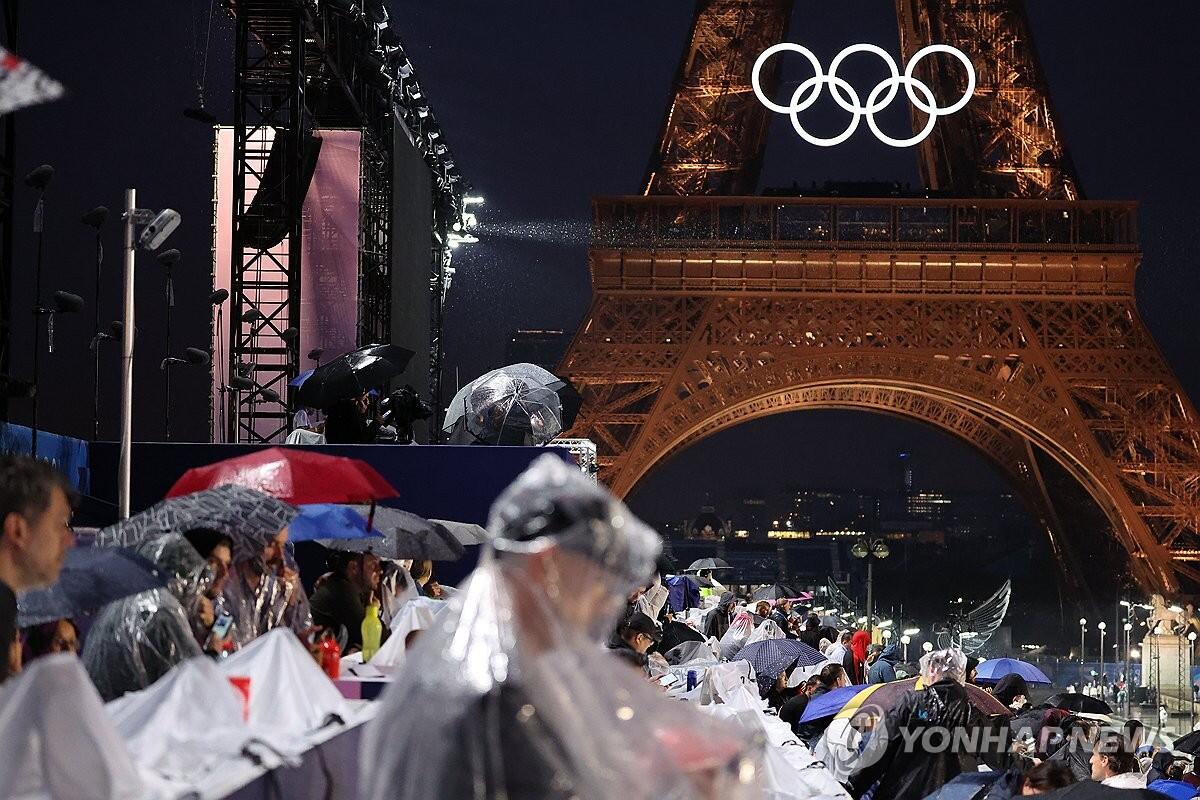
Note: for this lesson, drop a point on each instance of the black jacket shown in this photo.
(809, 732)
(8, 625)
(716, 622)
(793, 709)
(336, 603)
(911, 772)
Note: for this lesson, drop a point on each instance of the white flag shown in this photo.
(22, 84)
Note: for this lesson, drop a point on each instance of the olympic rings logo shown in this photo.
(808, 92)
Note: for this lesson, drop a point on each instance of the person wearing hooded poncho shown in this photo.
(263, 591)
(511, 693)
(137, 640)
(717, 620)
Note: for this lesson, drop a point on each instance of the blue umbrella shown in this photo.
(301, 378)
(329, 521)
(830, 703)
(994, 669)
(772, 656)
(91, 577)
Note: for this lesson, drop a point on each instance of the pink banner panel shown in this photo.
(329, 276)
(329, 260)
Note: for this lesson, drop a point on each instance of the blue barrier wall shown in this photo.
(69, 456)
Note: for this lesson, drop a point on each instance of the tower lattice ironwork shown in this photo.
(1007, 320)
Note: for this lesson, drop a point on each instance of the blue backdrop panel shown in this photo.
(69, 456)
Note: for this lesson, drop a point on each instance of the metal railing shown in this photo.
(869, 224)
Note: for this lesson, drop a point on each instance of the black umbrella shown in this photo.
(405, 535)
(1079, 703)
(773, 592)
(709, 564)
(1189, 743)
(676, 633)
(352, 374)
(666, 565)
(91, 577)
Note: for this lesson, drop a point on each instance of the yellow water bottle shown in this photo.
(372, 629)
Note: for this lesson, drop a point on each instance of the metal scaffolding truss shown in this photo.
(301, 66)
(270, 50)
(374, 240)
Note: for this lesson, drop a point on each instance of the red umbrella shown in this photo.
(294, 476)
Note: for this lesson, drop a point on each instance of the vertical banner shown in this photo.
(329, 257)
(329, 244)
(222, 253)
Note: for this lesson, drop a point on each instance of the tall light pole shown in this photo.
(1191, 692)
(870, 550)
(1154, 662)
(1128, 667)
(1102, 626)
(1082, 646)
(155, 228)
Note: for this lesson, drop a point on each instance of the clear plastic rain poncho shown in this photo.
(736, 636)
(258, 597)
(137, 640)
(767, 629)
(512, 695)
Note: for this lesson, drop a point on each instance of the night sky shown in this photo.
(545, 105)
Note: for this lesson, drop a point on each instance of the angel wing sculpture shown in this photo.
(839, 599)
(970, 630)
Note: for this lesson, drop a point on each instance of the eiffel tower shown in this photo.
(1002, 311)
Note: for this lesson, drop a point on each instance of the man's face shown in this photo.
(273, 552)
(1099, 766)
(370, 572)
(218, 561)
(41, 541)
(65, 640)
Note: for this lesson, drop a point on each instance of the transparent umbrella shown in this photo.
(517, 404)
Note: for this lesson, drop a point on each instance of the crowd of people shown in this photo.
(512, 693)
(221, 592)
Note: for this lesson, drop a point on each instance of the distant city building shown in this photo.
(904, 465)
(928, 506)
(542, 348)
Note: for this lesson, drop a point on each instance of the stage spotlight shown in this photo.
(251, 314)
(290, 335)
(218, 297)
(159, 228)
